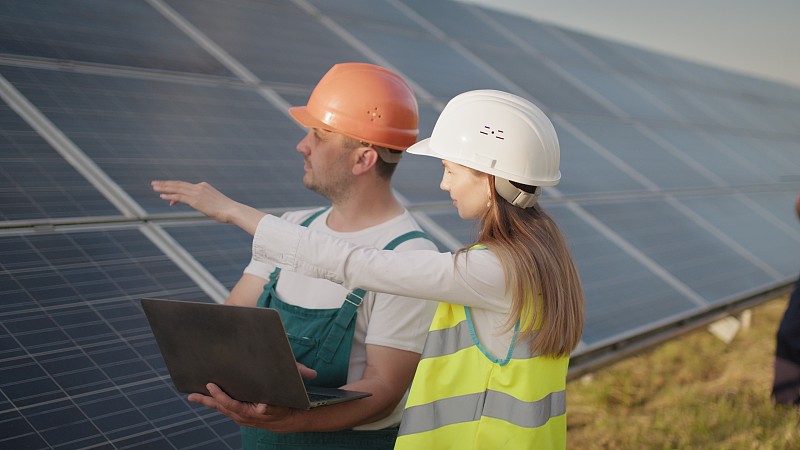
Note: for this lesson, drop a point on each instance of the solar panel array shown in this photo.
(677, 191)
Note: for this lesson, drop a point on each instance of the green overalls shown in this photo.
(321, 339)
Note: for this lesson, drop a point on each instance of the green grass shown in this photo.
(694, 392)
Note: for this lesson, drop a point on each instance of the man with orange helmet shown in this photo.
(361, 118)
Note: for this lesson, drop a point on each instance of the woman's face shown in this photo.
(468, 188)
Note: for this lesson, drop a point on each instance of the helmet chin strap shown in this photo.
(515, 195)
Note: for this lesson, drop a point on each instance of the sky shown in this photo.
(754, 37)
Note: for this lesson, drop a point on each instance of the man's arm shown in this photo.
(388, 374)
(209, 201)
(247, 291)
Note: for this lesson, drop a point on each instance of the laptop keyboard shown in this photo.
(316, 397)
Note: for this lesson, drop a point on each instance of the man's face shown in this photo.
(327, 165)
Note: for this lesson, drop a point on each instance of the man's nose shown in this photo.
(303, 146)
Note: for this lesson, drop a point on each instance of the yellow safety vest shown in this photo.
(462, 398)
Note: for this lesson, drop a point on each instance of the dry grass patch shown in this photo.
(694, 392)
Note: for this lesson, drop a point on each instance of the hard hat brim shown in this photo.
(301, 115)
(423, 148)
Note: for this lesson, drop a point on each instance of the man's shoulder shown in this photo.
(406, 228)
(299, 216)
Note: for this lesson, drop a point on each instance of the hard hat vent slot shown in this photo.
(488, 131)
(374, 114)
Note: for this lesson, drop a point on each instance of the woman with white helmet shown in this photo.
(493, 372)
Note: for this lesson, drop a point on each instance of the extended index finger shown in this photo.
(170, 186)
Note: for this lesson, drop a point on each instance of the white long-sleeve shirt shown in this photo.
(476, 279)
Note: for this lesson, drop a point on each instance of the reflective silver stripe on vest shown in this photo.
(468, 408)
(447, 341)
(450, 340)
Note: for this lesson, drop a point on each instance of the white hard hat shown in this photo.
(500, 134)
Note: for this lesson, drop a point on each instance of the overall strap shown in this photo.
(273, 277)
(353, 300)
(311, 218)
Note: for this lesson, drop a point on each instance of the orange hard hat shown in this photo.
(365, 102)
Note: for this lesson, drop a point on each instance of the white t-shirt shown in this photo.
(476, 279)
(383, 319)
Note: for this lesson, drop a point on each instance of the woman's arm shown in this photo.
(476, 279)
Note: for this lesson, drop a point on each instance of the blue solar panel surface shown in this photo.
(676, 198)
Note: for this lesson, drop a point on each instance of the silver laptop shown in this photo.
(243, 350)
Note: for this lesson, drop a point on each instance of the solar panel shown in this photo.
(78, 364)
(35, 182)
(140, 130)
(276, 41)
(676, 198)
(642, 156)
(548, 88)
(631, 291)
(699, 260)
(120, 33)
(222, 249)
(427, 60)
(623, 92)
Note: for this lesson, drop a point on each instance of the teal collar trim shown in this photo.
(500, 361)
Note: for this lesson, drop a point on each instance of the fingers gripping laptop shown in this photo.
(243, 350)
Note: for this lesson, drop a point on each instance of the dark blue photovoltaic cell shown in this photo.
(582, 166)
(781, 163)
(78, 363)
(428, 61)
(689, 252)
(547, 87)
(224, 250)
(604, 51)
(457, 22)
(464, 231)
(728, 166)
(623, 92)
(417, 177)
(779, 205)
(370, 11)
(95, 31)
(776, 117)
(138, 131)
(666, 169)
(36, 182)
(745, 223)
(276, 41)
(537, 37)
(687, 109)
(732, 110)
(622, 295)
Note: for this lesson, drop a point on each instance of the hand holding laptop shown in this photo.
(248, 414)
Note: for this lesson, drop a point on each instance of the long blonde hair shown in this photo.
(546, 291)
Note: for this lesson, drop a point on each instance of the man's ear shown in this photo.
(366, 158)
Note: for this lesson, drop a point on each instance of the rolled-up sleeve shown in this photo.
(476, 280)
